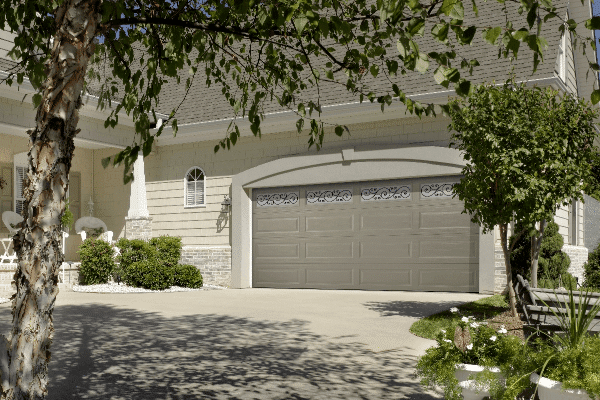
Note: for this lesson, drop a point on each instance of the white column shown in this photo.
(138, 205)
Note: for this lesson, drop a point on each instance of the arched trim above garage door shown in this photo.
(346, 166)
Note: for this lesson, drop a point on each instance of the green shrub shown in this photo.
(135, 250)
(149, 274)
(592, 269)
(187, 276)
(168, 248)
(552, 263)
(97, 263)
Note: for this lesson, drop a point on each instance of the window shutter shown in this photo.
(191, 193)
(19, 181)
(194, 187)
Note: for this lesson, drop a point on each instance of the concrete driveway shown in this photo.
(239, 344)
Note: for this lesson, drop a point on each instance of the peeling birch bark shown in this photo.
(25, 357)
(511, 290)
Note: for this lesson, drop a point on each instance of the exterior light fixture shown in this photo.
(226, 204)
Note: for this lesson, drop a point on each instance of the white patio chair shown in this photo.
(89, 223)
(10, 220)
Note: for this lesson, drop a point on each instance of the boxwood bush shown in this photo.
(135, 250)
(168, 249)
(149, 274)
(187, 276)
(97, 263)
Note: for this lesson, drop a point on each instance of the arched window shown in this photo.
(194, 187)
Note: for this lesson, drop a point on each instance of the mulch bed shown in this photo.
(513, 325)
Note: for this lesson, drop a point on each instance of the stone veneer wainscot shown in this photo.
(214, 263)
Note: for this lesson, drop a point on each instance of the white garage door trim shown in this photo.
(346, 166)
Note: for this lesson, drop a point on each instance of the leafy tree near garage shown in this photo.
(257, 51)
(528, 151)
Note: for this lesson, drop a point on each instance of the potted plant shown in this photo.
(568, 362)
(475, 361)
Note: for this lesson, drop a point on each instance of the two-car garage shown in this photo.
(403, 234)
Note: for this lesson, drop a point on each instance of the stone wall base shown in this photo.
(578, 256)
(499, 270)
(138, 228)
(214, 263)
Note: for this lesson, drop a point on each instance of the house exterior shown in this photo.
(371, 210)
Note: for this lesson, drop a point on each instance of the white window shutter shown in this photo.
(19, 182)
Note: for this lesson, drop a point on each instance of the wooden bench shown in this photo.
(539, 305)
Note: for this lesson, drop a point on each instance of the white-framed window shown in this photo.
(194, 187)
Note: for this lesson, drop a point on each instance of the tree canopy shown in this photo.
(528, 151)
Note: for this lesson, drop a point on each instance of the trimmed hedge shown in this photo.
(156, 258)
(187, 276)
(168, 249)
(97, 264)
(149, 274)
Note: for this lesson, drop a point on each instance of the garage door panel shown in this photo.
(277, 250)
(335, 276)
(322, 223)
(386, 248)
(277, 276)
(334, 250)
(447, 249)
(443, 220)
(387, 221)
(461, 277)
(395, 277)
(279, 225)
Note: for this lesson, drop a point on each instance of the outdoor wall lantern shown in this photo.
(226, 204)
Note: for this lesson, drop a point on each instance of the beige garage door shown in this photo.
(391, 235)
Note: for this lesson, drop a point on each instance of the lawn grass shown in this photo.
(481, 310)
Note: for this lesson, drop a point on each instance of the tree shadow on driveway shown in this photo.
(415, 309)
(106, 352)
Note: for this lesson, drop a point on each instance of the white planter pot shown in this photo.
(553, 390)
(471, 389)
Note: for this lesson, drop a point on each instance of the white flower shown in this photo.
(493, 338)
(454, 310)
(443, 331)
(502, 329)
(465, 319)
(470, 346)
(474, 325)
(447, 340)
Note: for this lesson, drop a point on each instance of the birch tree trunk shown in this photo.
(26, 352)
(506, 251)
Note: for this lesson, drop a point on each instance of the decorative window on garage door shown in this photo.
(329, 196)
(385, 193)
(277, 199)
(437, 190)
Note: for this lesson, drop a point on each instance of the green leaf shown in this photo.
(374, 70)
(593, 23)
(532, 15)
(403, 45)
(300, 22)
(324, 26)
(416, 26)
(595, 96)
(453, 9)
(37, 100)
(339, 130)
(491, 35)
(440, 32)
(105, 162)
(422, 63)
